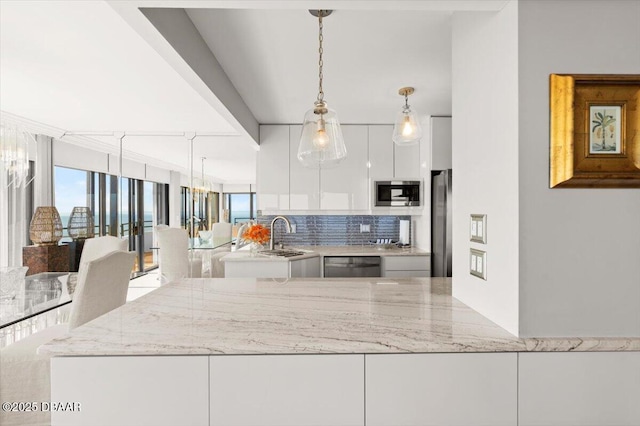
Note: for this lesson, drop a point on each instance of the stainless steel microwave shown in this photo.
(397, 193)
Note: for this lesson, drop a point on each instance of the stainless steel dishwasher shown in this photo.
(351, 266)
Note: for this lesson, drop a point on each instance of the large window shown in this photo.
(132, 216)
(72, 189)
(201, 209)
(242, 207)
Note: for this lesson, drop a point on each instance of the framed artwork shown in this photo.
(604, 137)
(595, 131)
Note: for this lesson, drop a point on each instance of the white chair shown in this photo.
(217, 267)
(95, 248)
(174, 262)
(99, 246)
(24, 374)
(222, 230)
(240, 241)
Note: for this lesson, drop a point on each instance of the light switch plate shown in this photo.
(478, 263)
(478, 229)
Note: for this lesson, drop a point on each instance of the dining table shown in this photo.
(43, 301)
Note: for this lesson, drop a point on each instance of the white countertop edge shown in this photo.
(314, 251)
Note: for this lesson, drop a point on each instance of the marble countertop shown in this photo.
(312, 251)
(246, 256)
(295, 316)
(366, 250)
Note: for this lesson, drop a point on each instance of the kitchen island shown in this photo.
(374, 351)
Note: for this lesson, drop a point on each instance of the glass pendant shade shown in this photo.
(407, 129)
(321, 141)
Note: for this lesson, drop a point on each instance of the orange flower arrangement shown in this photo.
(257, 234)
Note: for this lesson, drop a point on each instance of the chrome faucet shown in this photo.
(286, 222)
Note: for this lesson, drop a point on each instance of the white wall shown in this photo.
(43, 181)
(485, 158)
(579, 248)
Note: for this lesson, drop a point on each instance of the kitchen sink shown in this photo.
(281, 253)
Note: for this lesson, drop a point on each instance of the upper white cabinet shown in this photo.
(345, 187)
(406, 161)
(380, 152)
(273, 168)
(283, 184)
(388, 160)
(441, 143)
(304, 183)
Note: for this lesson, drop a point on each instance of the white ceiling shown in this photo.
(84, 66)
(78, 66)
(271, 57)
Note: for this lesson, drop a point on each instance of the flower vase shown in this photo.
(255, 248)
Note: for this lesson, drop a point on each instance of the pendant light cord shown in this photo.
(320, 63)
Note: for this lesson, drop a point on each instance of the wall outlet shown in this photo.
(293, 228)
(478, 263)
(365, 228)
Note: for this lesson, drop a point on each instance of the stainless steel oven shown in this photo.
(397, 193)
(351, 266)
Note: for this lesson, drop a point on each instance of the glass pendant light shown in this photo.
(321, 141)
(407, 129)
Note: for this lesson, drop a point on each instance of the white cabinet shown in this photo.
(579, 388)
(260, 268)
(406, 266)
(441, 139)
(273, 168)
(263, 267)
(380, 152)
(282, 390)
(345, 187)
(389, 160)
(406, 160)
(304, 183)
(131, 390)
(305, 268)
(441, 389)
(284, 184)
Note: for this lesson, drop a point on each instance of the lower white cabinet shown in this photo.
(406, 266)
(282, 390)
(442, 389)
(305, 268)
(579, 389)
(264, 268)
(136, 390)
(471, 389)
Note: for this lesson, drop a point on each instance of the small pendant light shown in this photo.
(407, 129)
(321, 141)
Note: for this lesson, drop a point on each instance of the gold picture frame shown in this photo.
(595, 131)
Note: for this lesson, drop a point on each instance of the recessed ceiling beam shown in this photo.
(172, 34)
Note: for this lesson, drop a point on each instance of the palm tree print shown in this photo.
(600, 124)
